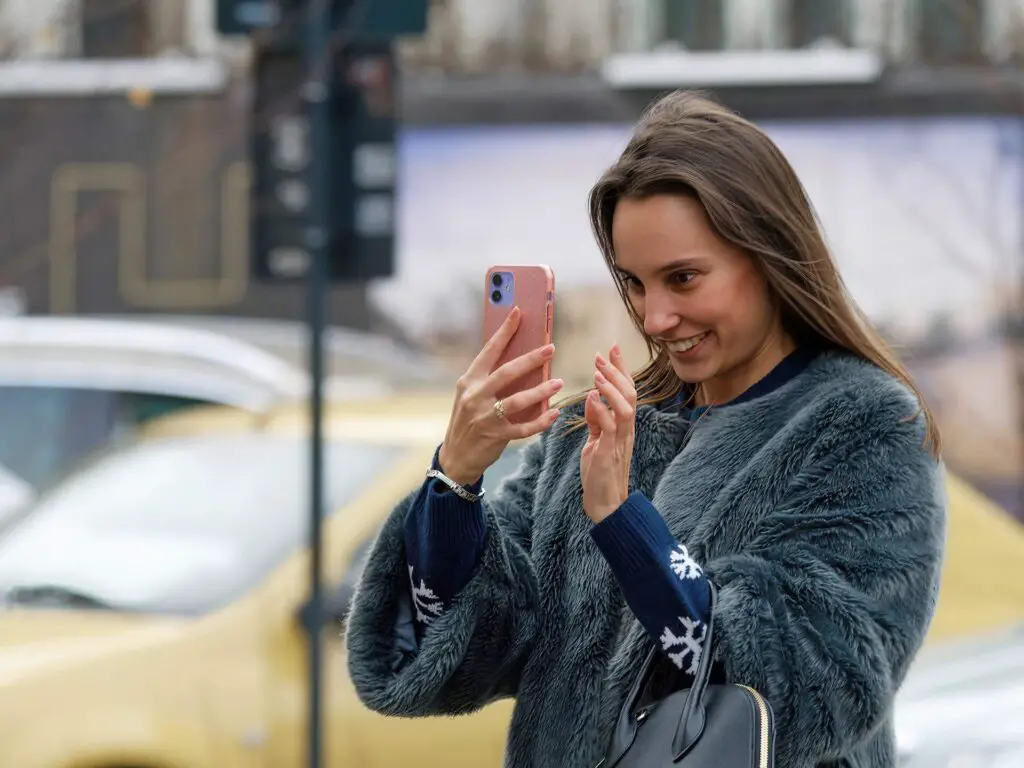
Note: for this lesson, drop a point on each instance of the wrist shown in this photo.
(464, 476)
(599, 514)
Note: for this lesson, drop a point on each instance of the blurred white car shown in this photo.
(962, 705)
(72, 385)
(69, 386)
(15, 494)
(352, 357)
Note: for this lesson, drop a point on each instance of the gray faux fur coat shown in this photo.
(814, 509)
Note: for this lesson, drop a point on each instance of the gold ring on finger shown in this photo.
(499, 409)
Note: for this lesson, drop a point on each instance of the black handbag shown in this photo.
(704, 726)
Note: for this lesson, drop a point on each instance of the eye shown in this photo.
(681, 278)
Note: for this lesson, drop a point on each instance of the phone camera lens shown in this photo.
(495, 296)
(496, 280)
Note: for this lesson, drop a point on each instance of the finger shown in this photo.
(520, 401)
(489, 355)
(618, 374)
(616, 400)
(621, 366)
(590, 412)
(619, 361)
(602, 415)
(534, 427)
(518, 367)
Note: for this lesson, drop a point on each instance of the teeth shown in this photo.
(685, 344)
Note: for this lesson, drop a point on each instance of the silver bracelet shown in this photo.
(456, 488)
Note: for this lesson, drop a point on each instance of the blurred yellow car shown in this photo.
(152, 599)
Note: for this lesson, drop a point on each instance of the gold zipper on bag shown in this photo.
(762, 707)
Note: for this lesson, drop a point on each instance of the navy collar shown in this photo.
(789, 368)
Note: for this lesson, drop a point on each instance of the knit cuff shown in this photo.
(634, 538)
(452, 522)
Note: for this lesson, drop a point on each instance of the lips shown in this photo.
(684, 345)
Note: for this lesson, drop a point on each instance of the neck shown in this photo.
(738, 379)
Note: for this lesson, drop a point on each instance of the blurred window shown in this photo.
(180, 525)
(48, 430)
(698, 25)
(115, 29)
(951, 31)
(812, 21)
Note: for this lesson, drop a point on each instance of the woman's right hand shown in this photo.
(476, 434)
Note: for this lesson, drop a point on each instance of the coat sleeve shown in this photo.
(473, 652)
(825, 612)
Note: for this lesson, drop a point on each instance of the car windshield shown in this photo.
(179, 525)
(49, 430)
(46, 429)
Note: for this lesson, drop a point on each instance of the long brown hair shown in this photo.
(687, 144)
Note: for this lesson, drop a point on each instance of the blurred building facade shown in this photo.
(125, 122)
(477, 36)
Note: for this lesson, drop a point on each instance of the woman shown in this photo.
(773, 447)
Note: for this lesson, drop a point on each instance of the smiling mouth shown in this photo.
(685, 345)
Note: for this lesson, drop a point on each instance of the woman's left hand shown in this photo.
(606, 456)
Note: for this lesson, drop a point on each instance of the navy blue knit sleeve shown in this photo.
(444, 539)
(664, 587)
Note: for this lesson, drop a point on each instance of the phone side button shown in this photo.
(547, 322)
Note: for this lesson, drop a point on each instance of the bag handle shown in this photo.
(691, 722)
(693, 718)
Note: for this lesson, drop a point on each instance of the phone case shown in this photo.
(532, 289)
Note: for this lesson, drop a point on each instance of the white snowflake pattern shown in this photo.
(684, 566)
(690, 644)
(428, 606)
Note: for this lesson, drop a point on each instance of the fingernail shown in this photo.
(514, 313)
(616, 351)
(557, 383)
(599, 377)
(548, 351)
(600, 359)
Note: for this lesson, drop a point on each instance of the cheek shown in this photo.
(714, 304)
(751, 323)
(737, 308)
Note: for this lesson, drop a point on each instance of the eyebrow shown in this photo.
(672, 266)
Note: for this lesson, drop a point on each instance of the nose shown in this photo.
(659, 313)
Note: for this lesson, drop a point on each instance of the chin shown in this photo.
(693, 372)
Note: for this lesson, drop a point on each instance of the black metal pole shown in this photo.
(318, 38)
(1015, 318)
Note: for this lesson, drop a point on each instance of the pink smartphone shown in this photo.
(532, 289)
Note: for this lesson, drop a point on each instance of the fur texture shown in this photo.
(816, 511)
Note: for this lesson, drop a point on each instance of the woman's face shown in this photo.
(700, 297)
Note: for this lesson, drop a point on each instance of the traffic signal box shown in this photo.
(360, 160)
